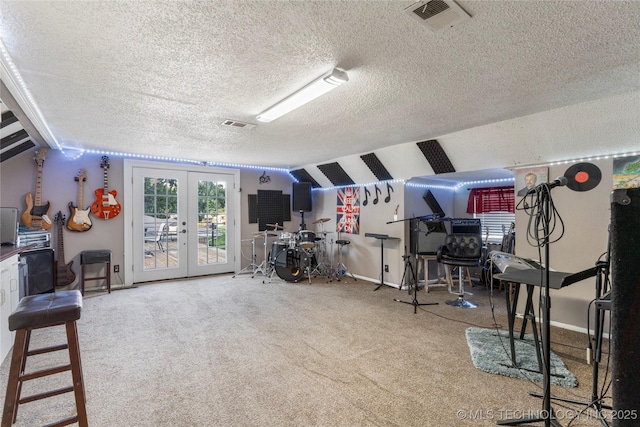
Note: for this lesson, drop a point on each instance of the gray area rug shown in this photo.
(490, 352)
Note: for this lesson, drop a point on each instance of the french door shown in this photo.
(183, 222)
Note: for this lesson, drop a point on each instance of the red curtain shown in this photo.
(491, 199)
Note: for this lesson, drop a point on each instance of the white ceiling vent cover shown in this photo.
(238, 124)
(438, 14)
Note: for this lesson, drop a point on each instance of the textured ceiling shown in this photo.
(159, 77)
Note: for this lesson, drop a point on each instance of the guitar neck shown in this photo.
(60, 244)
(80, 191)
(38, 197)
(106, 182)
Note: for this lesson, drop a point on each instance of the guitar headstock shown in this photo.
(82, 175)
(105, 162)
(40, 157)
(59, 218)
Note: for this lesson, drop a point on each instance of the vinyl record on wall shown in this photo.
(583, 176)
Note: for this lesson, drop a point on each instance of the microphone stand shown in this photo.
(547, 412)
(413, 225)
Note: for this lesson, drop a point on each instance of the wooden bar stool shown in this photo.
(36, 312)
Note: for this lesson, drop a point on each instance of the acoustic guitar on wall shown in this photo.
(106, 206)
(37, 215)
(64, 274)
(79, 218)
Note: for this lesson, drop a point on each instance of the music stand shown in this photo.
(413, 224)
(382, 238)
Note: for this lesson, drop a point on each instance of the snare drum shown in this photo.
(307, 239)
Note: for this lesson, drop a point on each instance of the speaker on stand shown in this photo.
(302, 199)
(40, 270)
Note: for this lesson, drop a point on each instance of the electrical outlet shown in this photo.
(116, 268)
(386, 268)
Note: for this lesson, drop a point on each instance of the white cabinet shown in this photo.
(9, 298)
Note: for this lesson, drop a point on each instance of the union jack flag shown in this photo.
(348, 210)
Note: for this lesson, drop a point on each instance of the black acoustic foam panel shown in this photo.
(302, 196)
(286, 207)
(436, 156)
(433, 204)
(269, 209)
(303, 176)
(253, 208)
(335, 174)
(376, 166)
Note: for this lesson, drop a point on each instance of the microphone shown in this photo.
(558, 182)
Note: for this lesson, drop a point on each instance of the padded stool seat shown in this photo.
(49, 309)
(42, 311)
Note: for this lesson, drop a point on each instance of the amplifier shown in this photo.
(466, 225)
(95, 257)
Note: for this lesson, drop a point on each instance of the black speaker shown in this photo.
(40, 267)
(302, 196)
(625, 294)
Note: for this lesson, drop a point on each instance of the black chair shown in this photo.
(461, 250)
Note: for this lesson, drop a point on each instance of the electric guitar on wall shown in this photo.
(106, 206)
(37, 215)
(79, 218)
(64, 274)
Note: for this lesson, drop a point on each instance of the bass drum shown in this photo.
(291, 264)
(276, 248)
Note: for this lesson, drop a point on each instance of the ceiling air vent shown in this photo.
(237, 124)
(438, 14)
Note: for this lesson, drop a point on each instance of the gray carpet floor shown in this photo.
(223, 351)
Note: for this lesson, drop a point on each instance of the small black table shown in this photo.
(382, 238)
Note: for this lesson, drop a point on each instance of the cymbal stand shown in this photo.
(264, 265)
(251, 268)
(322, 268)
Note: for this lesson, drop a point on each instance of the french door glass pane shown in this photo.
(160, 223)
(212, 222)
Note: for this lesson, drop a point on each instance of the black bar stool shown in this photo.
(36, 312)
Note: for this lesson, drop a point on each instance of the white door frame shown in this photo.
(129, 165)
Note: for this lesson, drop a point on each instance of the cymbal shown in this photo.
(320, 220)
(262, 233)
(276, 226)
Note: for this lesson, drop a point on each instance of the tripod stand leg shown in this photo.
(413, 277)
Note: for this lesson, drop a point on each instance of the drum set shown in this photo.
(301, 255)
(293, 256)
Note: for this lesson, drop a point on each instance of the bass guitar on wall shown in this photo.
(79, 218)
(37, 215)
(106, 206)
(64, 274)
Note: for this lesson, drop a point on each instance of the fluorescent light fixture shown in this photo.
(310, 92)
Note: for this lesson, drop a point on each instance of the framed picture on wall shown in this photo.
(526, 179)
